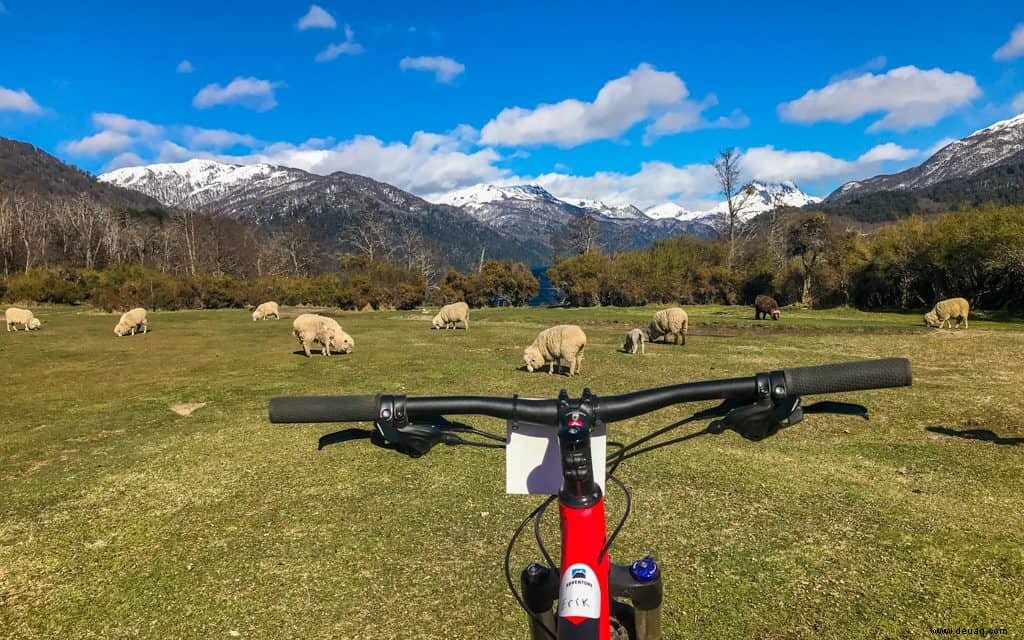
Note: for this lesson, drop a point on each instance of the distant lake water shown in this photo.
(547, 294)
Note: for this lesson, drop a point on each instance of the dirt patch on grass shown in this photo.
(187, 408)
(30, 469)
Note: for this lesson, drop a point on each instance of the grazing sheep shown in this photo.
(765, 306)
(672, 321)
(561, 342)
(131, 321)
(310, 327)
(945, 311)
(266, 310)
(451, 314)
(23, 317)
(635, 339)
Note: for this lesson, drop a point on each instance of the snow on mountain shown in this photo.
(196, 183)
(761, 197)
(667, 210)
(623, 212)
(479, 195)
(961, 159)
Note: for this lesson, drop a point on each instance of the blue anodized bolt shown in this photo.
(644, 570)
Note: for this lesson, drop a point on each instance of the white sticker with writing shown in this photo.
(579, 595)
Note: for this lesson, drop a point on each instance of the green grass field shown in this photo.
(121, 519)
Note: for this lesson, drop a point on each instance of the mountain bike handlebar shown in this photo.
(829, 378)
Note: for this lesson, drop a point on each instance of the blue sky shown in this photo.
(619, 101)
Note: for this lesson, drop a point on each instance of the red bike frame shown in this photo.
(583, 585)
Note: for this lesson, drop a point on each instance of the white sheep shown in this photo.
(131, 321)
(23, 317)
(310, 327)
(635, 339)
(667, 322)
(945, 311)
(266, 310)
(561, 342)
(451, 314)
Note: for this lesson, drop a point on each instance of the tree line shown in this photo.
(809, 258)
(76, 249)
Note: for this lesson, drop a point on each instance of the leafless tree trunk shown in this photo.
(729, 223)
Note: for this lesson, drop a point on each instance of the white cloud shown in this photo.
(102, 143)
(348, 48)
(643, 94)
(126, 159)
(775, 165)
(888, 152)
(251, 93)
(654, 183)
(196, 137)
(445, 69)
(909, 97)
(185, 67)
(124, 124)
(1018, 102)
(20, 101)
(316, 18)
(429, 163)
(1014, 47)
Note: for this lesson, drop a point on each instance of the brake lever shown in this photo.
(761, 419)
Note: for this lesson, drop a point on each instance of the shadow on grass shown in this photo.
(345, 435)
(317, 352)
(985, 435)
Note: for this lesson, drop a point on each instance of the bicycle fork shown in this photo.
(642, 620)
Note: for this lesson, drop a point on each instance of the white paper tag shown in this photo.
(533, 463)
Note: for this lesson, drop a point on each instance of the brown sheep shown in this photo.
(765, 306)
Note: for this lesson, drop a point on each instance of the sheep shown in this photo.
(310, 327)
(765, 306)
(945, 311)
(24, 317)
(131, 321)
(451, 314)
(672, 321)
(635, 339)
(561, 342)
(266, 310)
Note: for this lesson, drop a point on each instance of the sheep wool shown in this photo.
(945, 311)
(131, 322)
(266, 310)
(667, 322)
(310, 327)
(552, 345)
(22, 317)
(451, 314)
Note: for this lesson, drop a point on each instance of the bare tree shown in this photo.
(583, 233)
(373, 237)
(729, 223)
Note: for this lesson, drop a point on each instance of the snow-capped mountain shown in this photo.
(755, 200)
(599, 208)
(330, 206)
(195, 184)
(667, 210)
(532, 211)
(958, 160)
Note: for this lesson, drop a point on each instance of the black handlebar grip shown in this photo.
(324, 409)
(848, 376)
